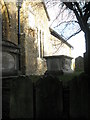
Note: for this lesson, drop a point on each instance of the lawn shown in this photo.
(64, 78)
(68, 76)
(34, 78)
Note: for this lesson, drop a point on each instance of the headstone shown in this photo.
(75, 105)
(49, 102)
(79, 64)
(21, 98)
(6, 98)
(79, 97)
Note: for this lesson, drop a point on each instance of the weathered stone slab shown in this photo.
(5, 98)
(79, 64)
(79, 97)
(21, 98)
(49, 101)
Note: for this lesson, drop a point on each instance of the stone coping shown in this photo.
(8, 46)
(54, 33)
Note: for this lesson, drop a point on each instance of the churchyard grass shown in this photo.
(67, 77)
(64, 78)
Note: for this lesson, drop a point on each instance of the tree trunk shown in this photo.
(87, 56)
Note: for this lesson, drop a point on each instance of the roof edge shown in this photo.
(46, 10)
(54, 33)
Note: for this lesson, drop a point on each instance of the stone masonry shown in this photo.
(36, 40)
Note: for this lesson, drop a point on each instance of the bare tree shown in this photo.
(79, 16)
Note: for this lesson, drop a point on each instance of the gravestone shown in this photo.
(79, 64)
(21, 98)
(79, 105)
(6, 98)
(74, 99)
(49, 98)
(85, 63)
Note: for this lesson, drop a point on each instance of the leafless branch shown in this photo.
(71, 21)
(75, 14)
(74, 34)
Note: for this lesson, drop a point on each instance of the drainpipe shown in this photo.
(19, 3)
(19, 38)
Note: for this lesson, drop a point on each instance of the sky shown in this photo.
(77, 41)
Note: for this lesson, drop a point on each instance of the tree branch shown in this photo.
(74, 34)
(78, 8)
(66, 22)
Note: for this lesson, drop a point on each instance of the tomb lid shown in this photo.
(58, 56)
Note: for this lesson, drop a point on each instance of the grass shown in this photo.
(34, 78)
(64, 78)
(68, 76)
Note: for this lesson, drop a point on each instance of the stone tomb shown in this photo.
(10, 53)
(58, 63)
